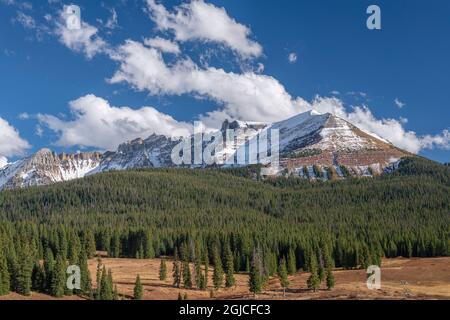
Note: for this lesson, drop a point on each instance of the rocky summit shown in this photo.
(312, 146)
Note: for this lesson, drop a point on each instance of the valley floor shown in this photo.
(418, 278)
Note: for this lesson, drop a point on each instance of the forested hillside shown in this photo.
(218, 214)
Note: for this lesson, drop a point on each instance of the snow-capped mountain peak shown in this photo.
(45, 167)
(308, 140)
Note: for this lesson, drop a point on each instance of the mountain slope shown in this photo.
(46, 167)
(399, 213)
(312, 146)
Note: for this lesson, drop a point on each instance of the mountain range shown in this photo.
(312, 146)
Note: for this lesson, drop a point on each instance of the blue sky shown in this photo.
(214, 54)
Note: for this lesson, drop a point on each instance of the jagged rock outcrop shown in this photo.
(312, 146)
(46, 167)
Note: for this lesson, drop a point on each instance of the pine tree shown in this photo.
(98, 280)
(74, 248)
(176, 274)
(110, 284)
(256, 278)
(187, 279)
(202, 282)
(38, 278)
(115, 246)
(85, 281)
(138, 289)
(199, 278)
(321, 274)
(106, 286)
(49, 266)
(163, 270)
(206, 263)
(218, 270)
(283, 276)
(89, 243)
(229, 267)
(313, 280)
(25, 270)
(330, 279)
(58, 282)
(291, 262)
(4, 274)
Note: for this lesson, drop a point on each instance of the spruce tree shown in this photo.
(330, 279)
(187, 279)
(49, 266)
(89, 243)
(218, 270)
(86, 283)
(74, 248)
(291, 262)
(283, 276)
(58, 282)
(206, 263)
(313, 280)
(138, 291)
(38, 278)
(256, 278)
(202, 285)
(176, 272)
(106, 285)
(98, 280)
(321, 274)
(199, 278)
(229, 268)
(4, 275)
(25, 270)
(163, 270)
(110, 284)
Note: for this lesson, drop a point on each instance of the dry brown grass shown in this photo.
(401, 279)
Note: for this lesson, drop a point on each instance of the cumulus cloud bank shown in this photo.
(247, 95)
(98, 124)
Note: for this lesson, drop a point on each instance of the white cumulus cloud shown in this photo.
(85, 39)
(202, 21)
(98, 124)
(248, 96)
(244, 95)
(11, 144)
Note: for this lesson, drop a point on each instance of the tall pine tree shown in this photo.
(138, 290)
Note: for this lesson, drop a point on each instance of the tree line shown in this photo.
(230, 218)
